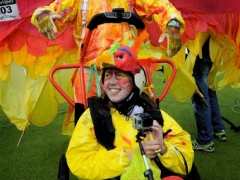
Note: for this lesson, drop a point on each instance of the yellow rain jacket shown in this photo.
(87, 159)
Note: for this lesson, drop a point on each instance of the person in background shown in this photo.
(104, 140)
(206, 109)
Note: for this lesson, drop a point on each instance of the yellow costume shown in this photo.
(72, 11)
(84, 145)
(155, 14)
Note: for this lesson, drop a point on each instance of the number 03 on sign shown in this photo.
(8, 10)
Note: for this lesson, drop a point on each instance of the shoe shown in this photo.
(207, 148)
(221, 136)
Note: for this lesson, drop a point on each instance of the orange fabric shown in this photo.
(77, 84)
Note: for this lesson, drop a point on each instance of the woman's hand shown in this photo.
(152, 145)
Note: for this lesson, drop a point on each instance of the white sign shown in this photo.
(8, 10)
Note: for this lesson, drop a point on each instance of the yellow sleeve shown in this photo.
(180, 139)
(160, 11)
(89, 160)
(68, 9)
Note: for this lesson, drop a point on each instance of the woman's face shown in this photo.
(117, 85)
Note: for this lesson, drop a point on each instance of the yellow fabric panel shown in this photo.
(12, 95)
(5, 63)
(223, 53)
(67, 57)
(41, 97)
(39, 92)
(34, 69)
(40, 103)
(231, 75)
(22, 57)
(183, 85)
(195, 46)
(52, 52)
(179, 58)
(6, 56)
(190, 61)
(43, 69)
(4, 72)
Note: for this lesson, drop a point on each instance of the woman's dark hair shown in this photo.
(104, 103)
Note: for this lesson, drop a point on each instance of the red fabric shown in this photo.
(201, 15)
(207, 6)
(19, 32)
(126, 59)
(172, 178)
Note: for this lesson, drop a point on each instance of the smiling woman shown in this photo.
(117, 84)
(104, 140)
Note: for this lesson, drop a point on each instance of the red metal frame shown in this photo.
(146, 63)
(81, 67)
(57, 87)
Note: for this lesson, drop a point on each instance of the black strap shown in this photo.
(63, 169)
(79, 109)
(164, 171)
(103, 127)
(193, 174)
(185, 162)
(115, 178)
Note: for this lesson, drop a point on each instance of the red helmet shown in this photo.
(125, 59)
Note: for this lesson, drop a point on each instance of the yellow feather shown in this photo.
(6, 56)
(4, 72)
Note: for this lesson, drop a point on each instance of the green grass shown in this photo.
(37, 156)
